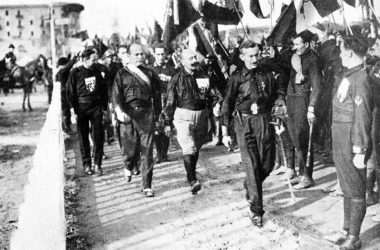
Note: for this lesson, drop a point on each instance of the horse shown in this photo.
(20, 77)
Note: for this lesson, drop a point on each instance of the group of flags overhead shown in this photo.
(180, 14)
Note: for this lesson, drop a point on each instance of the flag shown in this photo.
(83, 35)
(255, 8)
(325, 7)
(222, 14)
(157, 32)
(285, 26)
(351, 2)
(179, 17)
(213, 28)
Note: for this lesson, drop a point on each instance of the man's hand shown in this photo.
(227, 141)
(121, 116)
(168, 131)
(310, 115)
(113, 119)
(358, 161)
(216, 110)
(73, 116)
(254, 108)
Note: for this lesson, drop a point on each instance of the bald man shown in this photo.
(137, 100)
(189, 92)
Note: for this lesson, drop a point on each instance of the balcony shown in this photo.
(20, 26)
(19, 16)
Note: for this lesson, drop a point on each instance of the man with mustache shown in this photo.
(137, 101)
(188, 93)
(302, 96)
(251, 93)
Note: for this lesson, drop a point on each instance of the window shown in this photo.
(6, 13)
(7, 23)
(43, 32)
(31, 22)
(53, 11)
(19, 34)
(31, 33)
(18, 12)
(9, 33)
(19, 22)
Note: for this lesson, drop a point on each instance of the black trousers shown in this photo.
(65, 112)
(256, 140)
(136, 139)
(298, 127)
(95, 117)
(162, 145)
(352, 180)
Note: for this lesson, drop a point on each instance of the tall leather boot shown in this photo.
(376, 218)
(346, 213)
(370, 194)
(358, 210)
(195, 185)
(187, 160)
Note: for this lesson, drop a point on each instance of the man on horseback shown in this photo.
(18, 77)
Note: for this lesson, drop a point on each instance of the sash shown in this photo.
(136, 72)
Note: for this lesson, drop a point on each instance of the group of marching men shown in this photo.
(319, 88)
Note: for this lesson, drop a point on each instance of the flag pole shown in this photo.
(52, 39)
(373, 12)
(344, 17)
(240, 18)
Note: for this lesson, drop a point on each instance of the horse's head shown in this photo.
(10, 60)
(9, 64)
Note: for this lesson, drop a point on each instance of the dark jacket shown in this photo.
(165, 73)
(311, 85)
(356, 107)
(374, 75)
(86, 89)
(113, 68)
(246, 87)
(183, 92)
(129, 91)
(330, 61)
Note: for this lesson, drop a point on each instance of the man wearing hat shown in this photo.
(302, 96)
(64, 67)
(87, 99)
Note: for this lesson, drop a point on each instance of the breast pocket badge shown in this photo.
(203, 84)
(90, 83)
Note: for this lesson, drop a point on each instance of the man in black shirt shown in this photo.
(87, 99)
(64, 67)
(165, 72)
(137, 100)
(250, 95)
(188, 93)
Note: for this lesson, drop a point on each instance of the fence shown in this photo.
(41, 223)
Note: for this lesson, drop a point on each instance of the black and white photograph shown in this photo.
(189, 124)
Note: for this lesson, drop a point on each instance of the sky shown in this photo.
(104, 17)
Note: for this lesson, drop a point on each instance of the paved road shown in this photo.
(115, 215)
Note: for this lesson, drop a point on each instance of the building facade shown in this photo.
(27, 27)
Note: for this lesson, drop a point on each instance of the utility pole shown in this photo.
(52, 39)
